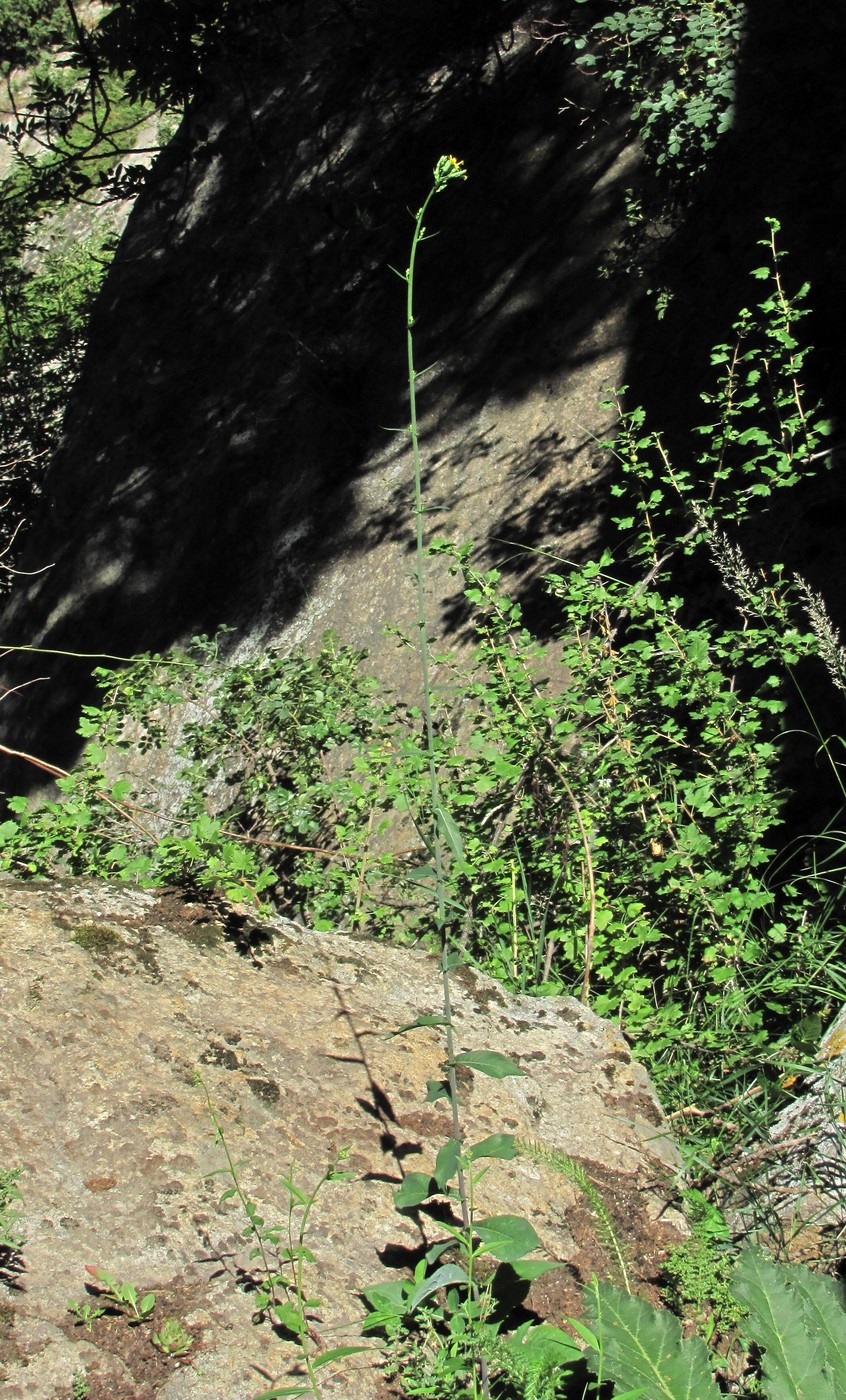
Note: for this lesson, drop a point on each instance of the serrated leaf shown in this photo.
(489, 1062)
(793, 1359)
(824, 1306)
(643, 1348)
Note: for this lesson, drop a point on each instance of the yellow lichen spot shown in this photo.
(834, 1044)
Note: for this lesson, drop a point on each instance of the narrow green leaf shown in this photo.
(441, 1278)
(529, 1269)
(421, 1021)
(489, 1062)
(589, 1338)
(326, 1356)
(287, 1390)
(449, 832)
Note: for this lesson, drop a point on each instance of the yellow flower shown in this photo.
(449, 168)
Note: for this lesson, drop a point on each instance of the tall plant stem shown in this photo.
(447, 168)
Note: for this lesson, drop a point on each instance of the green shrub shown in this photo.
(27, 27)
(675, 65)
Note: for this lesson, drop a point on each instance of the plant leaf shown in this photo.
(489, 1062)
(326, 1356)
(288, 1315)
(642, 1347)
(497, 1145)
(288, 1390)
(446, 1163)
(529, 1269)
(825, 1310)
(449, 832)
(793, 1359)
(507, 1237)
(542, 1340)
(441, 1278)
(416, 1187)
(421, 1021)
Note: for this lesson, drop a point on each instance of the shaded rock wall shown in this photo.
(227, 457)
(113, 997)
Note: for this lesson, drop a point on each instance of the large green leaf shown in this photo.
(544, 1341)
(497, 1145)
(824, 1306)
(781, 1322)
(643, 1348)
(416, 1188)
(507, 1237)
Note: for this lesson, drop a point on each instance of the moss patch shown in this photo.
(97, 939)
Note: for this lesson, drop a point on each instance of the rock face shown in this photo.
(228, 455)
(792, 1190)
(113, 998)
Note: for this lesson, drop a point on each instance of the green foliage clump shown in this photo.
(42, 338)
(698, 1272)
(29, 26)
(675, 65)
(165, 48)
(75, 130)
